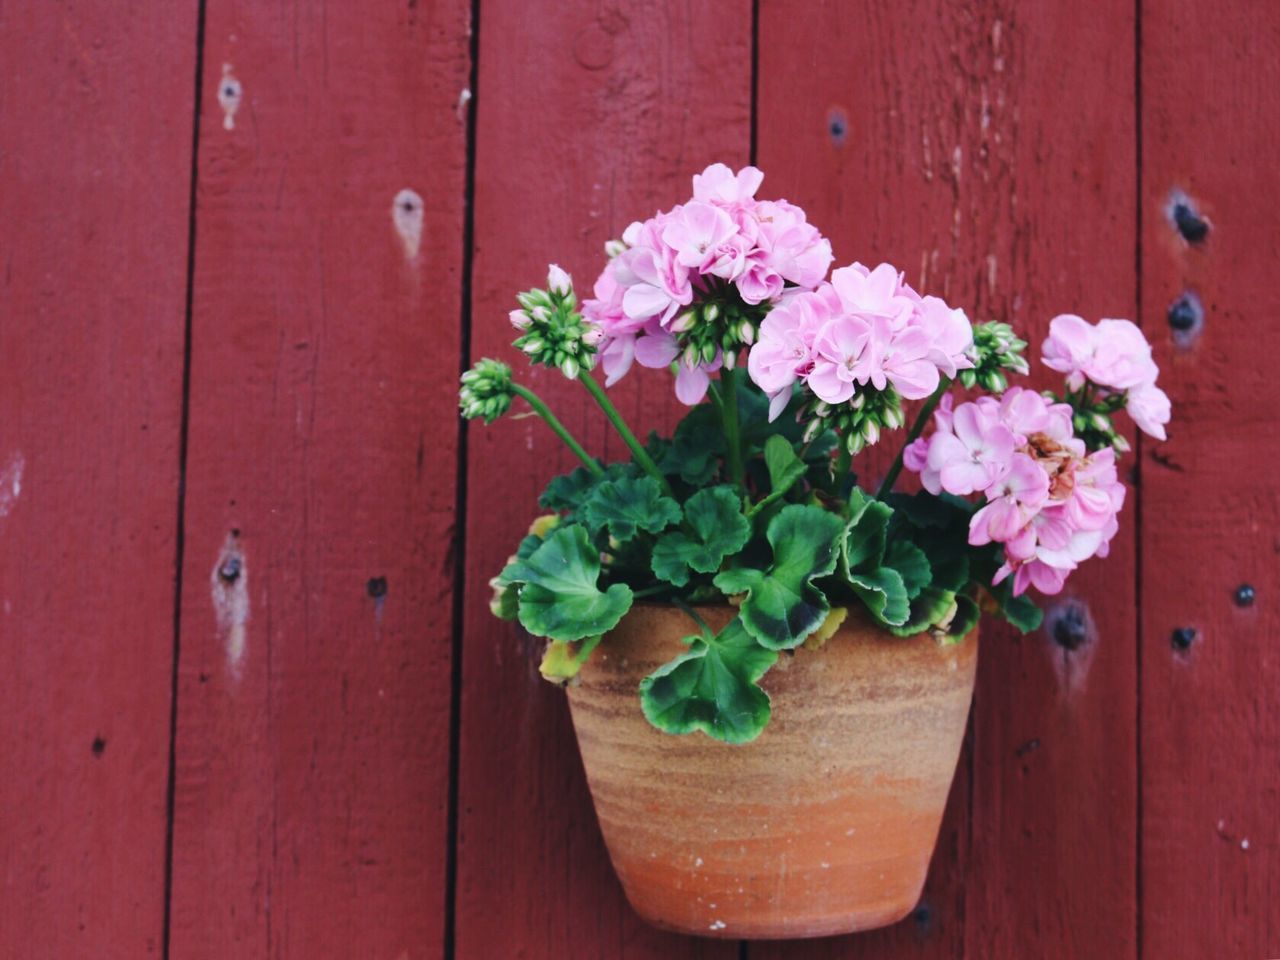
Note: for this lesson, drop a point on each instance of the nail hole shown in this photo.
(1070, 625)
(837, 126)
(1186, 218)
(1182, 638)
(99, 746)
(376, 587)
(229, 572)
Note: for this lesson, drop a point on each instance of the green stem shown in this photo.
(651, 591)
(732, 428)
(916, 429)
(629, 438)
(542, 410)
(844, 459)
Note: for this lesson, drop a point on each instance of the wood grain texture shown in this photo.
(313, 729)
(95, 170)
(925, 137)
(1211, 506)
(588, 118)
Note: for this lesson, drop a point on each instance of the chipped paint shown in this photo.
(230, 93)
(229, 586)
(406, 214)
(11, 483)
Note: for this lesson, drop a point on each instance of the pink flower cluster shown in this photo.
(1050, 503)
(1114, 355)
(864, 327)
(674, 258)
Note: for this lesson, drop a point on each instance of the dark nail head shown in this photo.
(376, 587)
(1182, 638)
(1190, 224)
(1245, 595)
(229, 572)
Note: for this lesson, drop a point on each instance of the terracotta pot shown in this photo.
(823, 825)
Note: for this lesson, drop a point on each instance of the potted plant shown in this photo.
(769, 665)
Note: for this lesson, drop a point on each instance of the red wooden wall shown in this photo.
(252, 703)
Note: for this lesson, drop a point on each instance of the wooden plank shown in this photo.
(587, 120)
(1210, 717)
(926, 138)
(313, 732)
(95, 117)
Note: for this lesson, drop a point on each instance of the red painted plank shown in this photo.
(587, 120)
(313, 737)
(1210, 715)
(926, 137)
(95, 117)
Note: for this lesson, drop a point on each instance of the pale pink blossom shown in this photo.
(975, 455)
(1150, 409)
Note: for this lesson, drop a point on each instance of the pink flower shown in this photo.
(1011, 502)
(1069, 347)
(842, 352)
(696, 231)
(973, 457)
(1150, 409)
(783, 352)
(719, 184)
(1113, 354)
(877, 292)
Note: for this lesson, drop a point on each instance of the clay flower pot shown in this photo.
(823, 825)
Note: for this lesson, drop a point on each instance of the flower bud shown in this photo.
(593, 336)
(1120, 444)
(558, 281)
(613, 248)
(746, 332)
(519, 319)
(569, 367)
(532, 347)
(709, 351)
(691, 356)
(540, 313)
(711, 312)
(682, 322)
(870, 431)
(730, 359)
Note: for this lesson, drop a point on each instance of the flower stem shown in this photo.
(844, 460)
(732, 428)
(542, 410)
(629, 438)
(916, 429)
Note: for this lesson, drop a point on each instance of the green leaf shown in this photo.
(719, 529)
(695, 448)
(866, 534)
(884, 593)
(1021, 611)
(911, 565)
(629, 504)
(966, 618)
(931, 606)
(559, 598)
(785, 470)
(782, 605)
(712, 687)
(569, 491)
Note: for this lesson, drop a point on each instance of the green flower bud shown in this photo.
(486, 391)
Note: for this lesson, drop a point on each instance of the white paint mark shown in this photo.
(11, 483)
(1244, 844)
(230, 93)
(718, 924)
(698, 862)
(464, 100)
(406, 214)
(229, 585)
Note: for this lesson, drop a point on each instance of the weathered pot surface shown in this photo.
(823, 825)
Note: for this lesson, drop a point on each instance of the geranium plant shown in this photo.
(790, 373)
